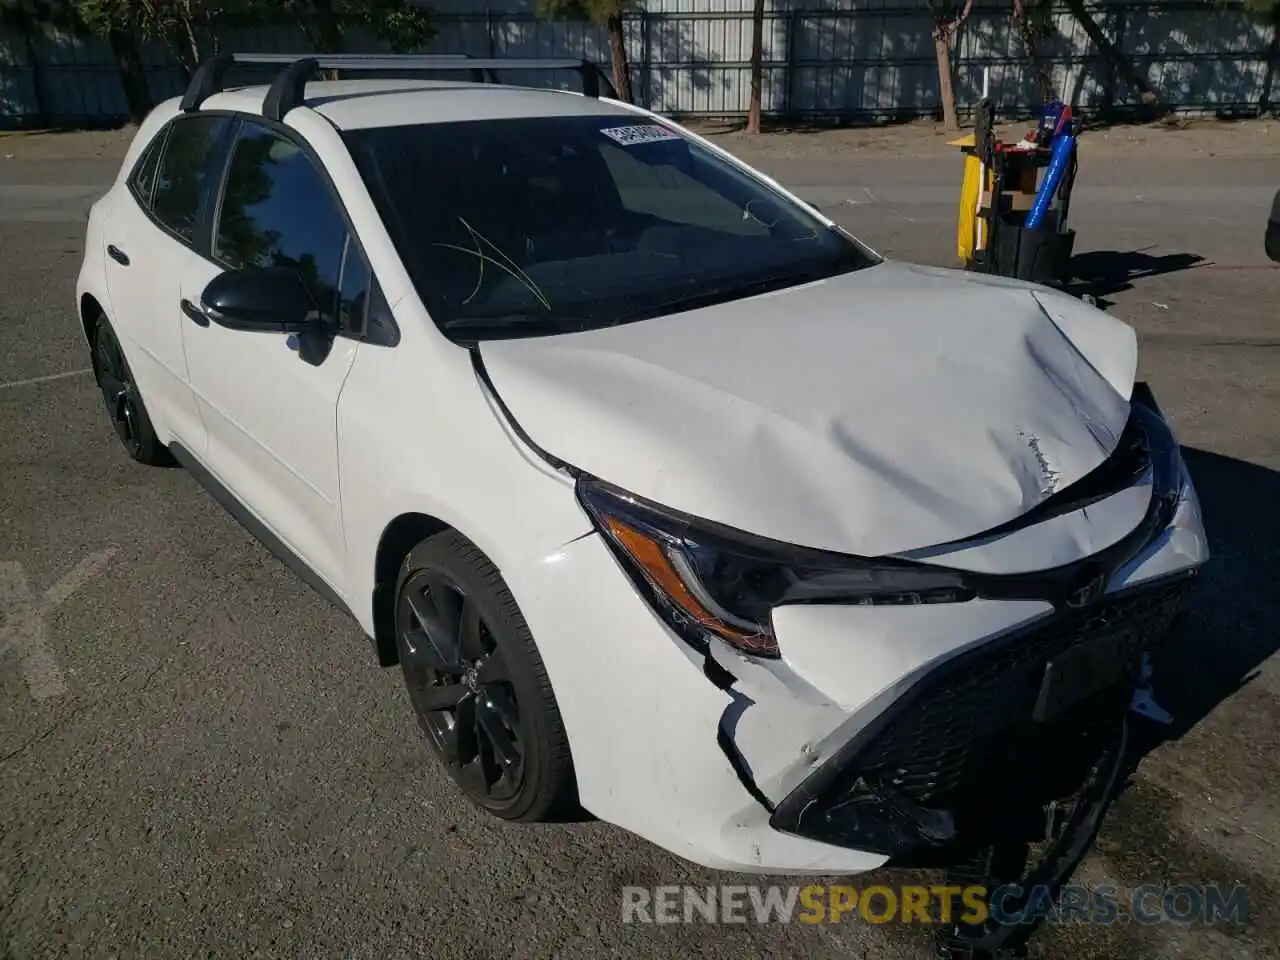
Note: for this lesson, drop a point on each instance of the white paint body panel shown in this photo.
(1056, 542)
(888, 411)
(284, 468)
(872, 413)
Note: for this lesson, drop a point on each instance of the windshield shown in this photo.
(532, 226)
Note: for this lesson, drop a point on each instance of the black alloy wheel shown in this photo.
(477, 683)
(123, 401)
(461, 688)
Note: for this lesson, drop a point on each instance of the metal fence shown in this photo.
(835, 59)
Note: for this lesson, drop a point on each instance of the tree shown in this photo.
(1033, 20)
(399, 24)
(603, 13)
(183, 26)
(757, 66)
(946, 25)
(189, 28)
(1268, 10)
(1120, 67)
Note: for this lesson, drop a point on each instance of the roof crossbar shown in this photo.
(288, 89)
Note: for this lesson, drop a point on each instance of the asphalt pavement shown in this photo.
(199, 757)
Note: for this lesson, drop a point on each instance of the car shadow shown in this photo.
(1232, 622)
(1103, 273)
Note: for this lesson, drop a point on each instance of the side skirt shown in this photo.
(260, 532)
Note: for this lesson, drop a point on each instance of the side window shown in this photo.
(277, 210)
(143, 177)
(184, 171)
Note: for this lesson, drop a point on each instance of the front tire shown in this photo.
(477, 684)
(123, 400)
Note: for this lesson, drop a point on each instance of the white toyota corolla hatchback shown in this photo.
(671, 498)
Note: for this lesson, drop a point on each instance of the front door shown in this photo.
(270, 414)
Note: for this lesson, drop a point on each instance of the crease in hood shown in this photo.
(874, 413)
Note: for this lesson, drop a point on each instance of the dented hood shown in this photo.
(873, 413)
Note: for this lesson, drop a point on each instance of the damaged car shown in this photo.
(671, 499)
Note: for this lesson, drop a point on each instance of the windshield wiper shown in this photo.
(737, 291)
(511, 322)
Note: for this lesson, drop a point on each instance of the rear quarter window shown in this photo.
(143, 177)
(183, 172)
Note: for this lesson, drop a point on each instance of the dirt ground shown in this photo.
(1138, 142)
(1154, 143)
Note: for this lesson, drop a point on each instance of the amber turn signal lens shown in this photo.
(652, 559)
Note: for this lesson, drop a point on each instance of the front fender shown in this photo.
(456, 460)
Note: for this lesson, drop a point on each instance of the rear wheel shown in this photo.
(125, 409)
(477, 683)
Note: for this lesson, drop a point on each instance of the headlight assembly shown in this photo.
(707, 579)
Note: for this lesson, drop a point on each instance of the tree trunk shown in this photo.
(946, 88)
(187, 17)
(618, 54)
(944, 34)
(757, 66)
(1114, 59)
(124, 46)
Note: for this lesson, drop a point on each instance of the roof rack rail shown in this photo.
(289, 87)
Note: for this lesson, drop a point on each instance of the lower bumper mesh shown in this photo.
(970, 738)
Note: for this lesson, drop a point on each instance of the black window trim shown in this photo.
(215, 158)
(348, 242)
(385, 333)
(156, 148)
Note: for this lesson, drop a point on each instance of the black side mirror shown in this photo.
(262, 299)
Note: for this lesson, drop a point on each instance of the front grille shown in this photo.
(960, 718)
(964, 738)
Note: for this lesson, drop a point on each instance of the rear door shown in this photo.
(149, 238)
(270, 412)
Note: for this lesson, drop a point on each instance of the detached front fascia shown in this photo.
(707, 772)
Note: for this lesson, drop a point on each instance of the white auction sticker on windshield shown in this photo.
(641, 133)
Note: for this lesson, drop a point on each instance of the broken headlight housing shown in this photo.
(711, 580)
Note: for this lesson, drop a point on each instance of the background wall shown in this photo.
(849, 59)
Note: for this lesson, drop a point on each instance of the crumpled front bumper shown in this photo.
(978, 742)
(992, 734)
(791, 767)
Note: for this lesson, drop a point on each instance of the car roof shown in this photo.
(355, 104)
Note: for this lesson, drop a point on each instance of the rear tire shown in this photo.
(120, 394)
(477, 684)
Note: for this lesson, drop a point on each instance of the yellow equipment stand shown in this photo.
(999, 186)
(969, 239)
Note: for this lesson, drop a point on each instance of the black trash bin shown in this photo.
(1040, 255)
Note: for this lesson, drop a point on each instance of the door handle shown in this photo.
(195, 314)
(118, 255)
